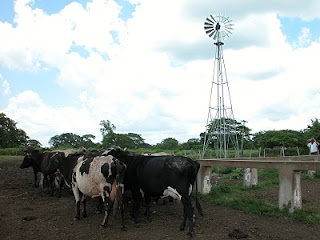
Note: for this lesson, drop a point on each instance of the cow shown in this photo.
(39, 162)
(99, 176)
(160, 176)
(64, 166)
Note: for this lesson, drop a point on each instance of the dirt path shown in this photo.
(29, 213)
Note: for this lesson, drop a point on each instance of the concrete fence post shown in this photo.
(250, 177)
(297, 196)
(290, 189)
(204, 179)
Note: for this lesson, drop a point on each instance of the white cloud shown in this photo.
(5, 86)
(152, 74)
(305, 38)
(42, 122)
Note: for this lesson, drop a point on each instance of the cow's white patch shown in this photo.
(172, 193)
(93, 183)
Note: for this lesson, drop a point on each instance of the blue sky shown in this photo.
(146, 65)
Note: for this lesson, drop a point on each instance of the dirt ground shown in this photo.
(29, 213)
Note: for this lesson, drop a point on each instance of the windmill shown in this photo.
(221, 126)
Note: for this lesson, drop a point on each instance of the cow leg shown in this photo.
(42, 181)
(188, 214)
(137, 197)
(76, 194)
(51, 184)
(185, 216)
(108, 206)
(35, 173)
(60, 184)
(123, 227)
(100, 205)
(84, 202)
(147, 211)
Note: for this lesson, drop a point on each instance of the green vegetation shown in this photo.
(263, 143)
(238, 197)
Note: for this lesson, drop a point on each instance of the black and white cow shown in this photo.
(64, 166)
(160, 176)
(99, 176)
(39, 162)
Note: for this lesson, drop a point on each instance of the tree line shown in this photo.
(11, 136)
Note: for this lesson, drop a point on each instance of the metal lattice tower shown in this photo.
(221, 125)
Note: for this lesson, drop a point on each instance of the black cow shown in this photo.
(160, 176)
(99, 176)
(39, 162)
(65, 167)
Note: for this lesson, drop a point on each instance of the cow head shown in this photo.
(31, 155)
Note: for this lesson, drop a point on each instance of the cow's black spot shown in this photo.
(106, 189)
(85, 167)
(105, 171)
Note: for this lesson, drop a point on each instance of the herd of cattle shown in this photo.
(107, 175)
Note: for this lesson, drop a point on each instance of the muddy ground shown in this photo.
(29, 213)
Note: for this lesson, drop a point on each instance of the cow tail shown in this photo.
(198, 206)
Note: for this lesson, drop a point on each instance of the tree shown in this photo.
(313, 130)
(10, 135)
(34, 143)
(169, 144)
(230, 127)
(137, 139)
(87, 140)
(123, 141)
(285, 138)
(108, 135)
(66, 140)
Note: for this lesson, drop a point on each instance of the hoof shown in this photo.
(76, 218)
(84, 215)
(103, 225)
(189, 234)
(181, 228)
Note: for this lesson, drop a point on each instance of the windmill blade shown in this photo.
(209, 32)
(213, 19)
(218, 26)
(208, 27)
(215, 35)
(212, 32)
(209, 21)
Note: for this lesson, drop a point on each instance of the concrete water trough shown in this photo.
(289, 167)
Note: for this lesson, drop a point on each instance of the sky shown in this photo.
(147, 65)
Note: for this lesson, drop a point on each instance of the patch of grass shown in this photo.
(241, 198)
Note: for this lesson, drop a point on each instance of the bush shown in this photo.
(12, 151)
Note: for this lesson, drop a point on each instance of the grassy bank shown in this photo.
(244, 199)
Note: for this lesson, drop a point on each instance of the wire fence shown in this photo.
(261, 152)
